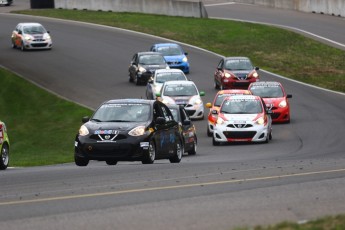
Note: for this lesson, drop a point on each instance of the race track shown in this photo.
(298, 176)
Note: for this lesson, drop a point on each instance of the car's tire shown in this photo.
(4, 156)
(209, 133)
(193, 150)
(80, 161)
(130, 79)
(178, 153)
(270, 136)
(216, 86)
(221, 87)
(136, 80)
(150, 154)
(22, 47)
(214, 142)
(13, 45)
(111, 162)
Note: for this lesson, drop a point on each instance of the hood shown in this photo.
(120, 126)
(175, 58)
(154, 67)
(240, 118)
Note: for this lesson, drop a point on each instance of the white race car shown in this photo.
(183, 93)
(242, 118)
(31, 36)
(160, 76)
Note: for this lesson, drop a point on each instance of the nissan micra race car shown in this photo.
(4, 146)
(275, 98)
(242, 118)
(31, 35)
(218, 99)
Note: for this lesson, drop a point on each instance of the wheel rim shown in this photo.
(179, 150)
(152, 152)
(4, 155)
(195, 146)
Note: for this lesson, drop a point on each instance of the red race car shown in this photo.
(235, 73)
(275, 98)
(218, 99)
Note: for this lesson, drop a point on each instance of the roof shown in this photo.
(166, 44)
(129, 100)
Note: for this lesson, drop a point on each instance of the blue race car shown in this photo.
(174, 55)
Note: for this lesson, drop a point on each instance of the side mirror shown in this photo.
(160, 120)
(158, 94)
(150, 81)
(208, 105)
(85, 119)
(186, 53)
(186, 122)
(202, 93)
(214, 112)
(289, 96)
(256, 68)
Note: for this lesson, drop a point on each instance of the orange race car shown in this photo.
(215, 105)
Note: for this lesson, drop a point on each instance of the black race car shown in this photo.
(187, 128)
(129, 130)
(144, 65)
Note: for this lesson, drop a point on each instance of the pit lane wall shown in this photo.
(331, 7)
(163, 7)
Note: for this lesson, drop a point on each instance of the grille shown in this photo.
(106, 137)
(275, 115)
(39, 45)
(174, 63)
(239, 135)
(240, 126)
(241, 76)
(190, 112)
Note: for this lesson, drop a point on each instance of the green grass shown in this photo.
(41, 126)
(326, 223)
(273, 49)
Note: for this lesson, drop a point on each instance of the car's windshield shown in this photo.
(238, 64)
(34, 30)
(180, 90)
(267, 92)
(241, 107)
(220, 98)
(122, 112)
(170, 50)
(169, 76)
(151, 60)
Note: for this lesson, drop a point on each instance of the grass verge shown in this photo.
(41, 126)
(273, 49)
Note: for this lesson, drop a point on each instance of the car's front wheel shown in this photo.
(214, 142)
(80, 161)
(178, 153)
(111, 162)
(4, 157)
(150, 155)
(22, 47)
(193, 150)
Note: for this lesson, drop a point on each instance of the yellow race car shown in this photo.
(4, 146)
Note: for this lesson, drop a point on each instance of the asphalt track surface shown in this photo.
(298, 176)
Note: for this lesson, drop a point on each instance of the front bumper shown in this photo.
(256, 133)
(195, 112)
(129, 149)
(46, 44)
(280, 115)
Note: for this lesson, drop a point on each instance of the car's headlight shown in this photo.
(142, 69)
(282, 104)
(260, 121)
(137, 131)
(27, 37)
(220, 121)
(185, 59)
(255, 75)
(83, 131)
(168, 101)
(196, 101)
(46, 37)
(157, 88)
(227, 75)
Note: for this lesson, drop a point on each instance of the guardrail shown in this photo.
(163, 7)
(331, 7)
